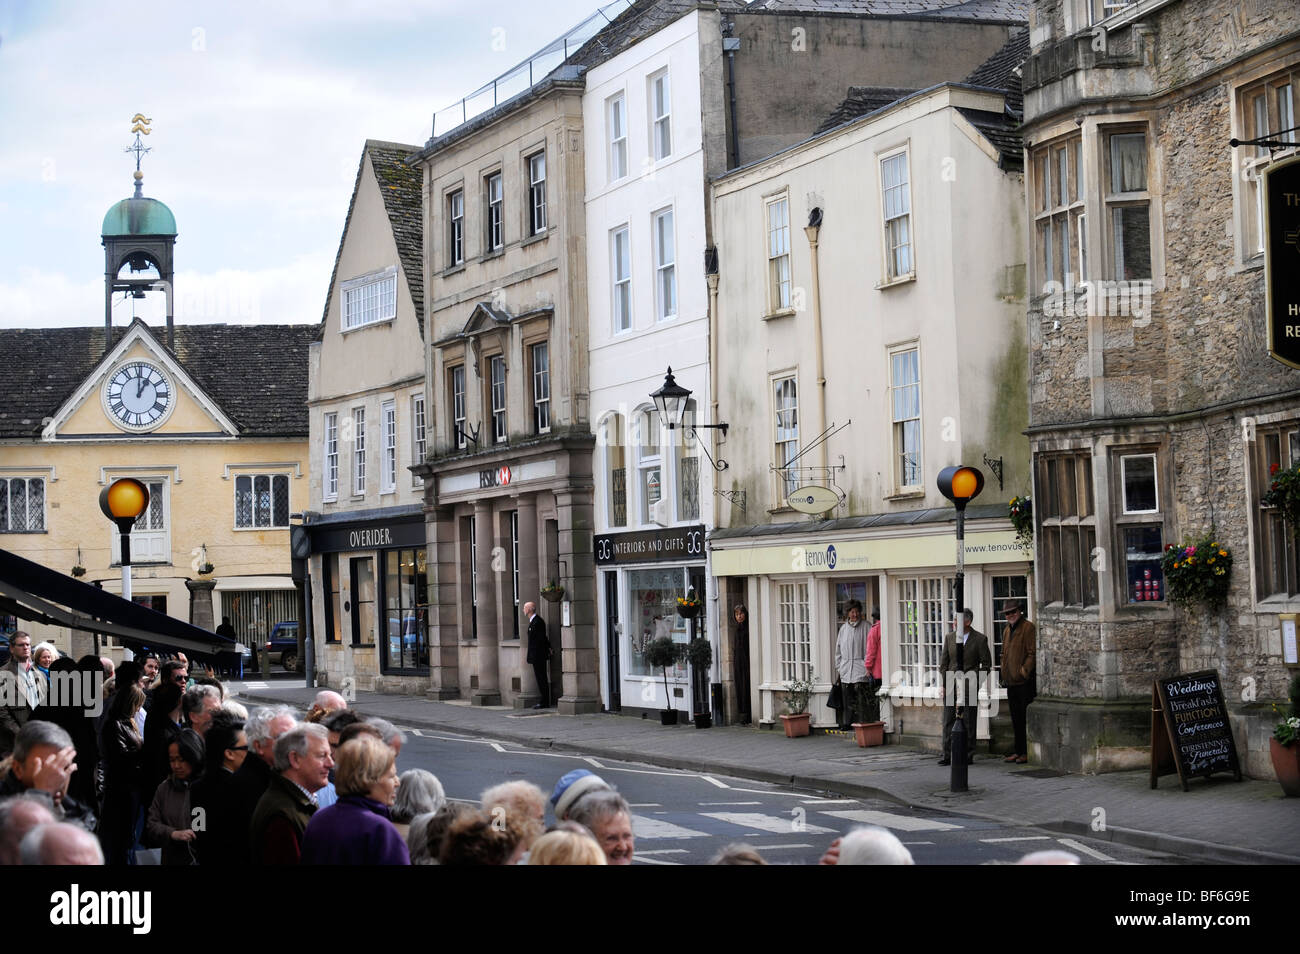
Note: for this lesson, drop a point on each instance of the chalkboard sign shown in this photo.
(1190, 731)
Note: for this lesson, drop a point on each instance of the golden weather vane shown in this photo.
(140, 126)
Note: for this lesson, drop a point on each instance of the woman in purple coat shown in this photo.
(356, 830)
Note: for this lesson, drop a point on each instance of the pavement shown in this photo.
(1218, 820)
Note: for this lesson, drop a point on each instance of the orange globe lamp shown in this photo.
(123, 501)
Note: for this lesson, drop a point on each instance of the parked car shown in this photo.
(284, 647)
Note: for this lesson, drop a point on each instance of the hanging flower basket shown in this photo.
(1197, 571)
(689, 606)
(1021, 512)
(78, 570)
(552, 592)
(205, 569)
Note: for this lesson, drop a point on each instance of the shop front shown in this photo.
(370, 599)
(796, 584)
(642, 575)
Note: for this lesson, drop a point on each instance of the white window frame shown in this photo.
(388, 427)
(6, 488)
(648, 417)
(1123, 481)
(1099, 10)
(614, 431)
(537, 193)
(897, 424)
(358, 452)
(498, 397)
(787, 449)
(777, 249)
(271, 477)
(894, 270)
(541, 386)
(616, 136)
(620, 272)
(661, 129)
(330, 457)
(662, 224)
(920, 636)
(456, 221)
(456, 385)
(794, 646)
(369, 299)
(495, 236)
(419, 434)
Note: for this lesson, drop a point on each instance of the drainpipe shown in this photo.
(812, 230)
(730, 44)
(711, 275)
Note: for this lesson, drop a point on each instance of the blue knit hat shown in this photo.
(572, 787)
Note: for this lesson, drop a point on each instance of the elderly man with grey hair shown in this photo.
(609, 818)
(60, 844)
(19, 815)
(200, 703)
(393, 737)
(302, 766)
(326, 702)
(44, 759)
(873, 845)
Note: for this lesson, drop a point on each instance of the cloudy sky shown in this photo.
(259, 113)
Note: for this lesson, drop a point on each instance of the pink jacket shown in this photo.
(873, 650)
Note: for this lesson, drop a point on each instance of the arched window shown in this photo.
(649, 460)
(613, 435)
(686, 450)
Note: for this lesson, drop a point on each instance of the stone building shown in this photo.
(368, 411)
(211, 417)
(868, 343)
(1155, 410)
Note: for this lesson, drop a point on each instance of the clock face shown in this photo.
(138, 396)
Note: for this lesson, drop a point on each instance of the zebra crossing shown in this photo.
(651, 827)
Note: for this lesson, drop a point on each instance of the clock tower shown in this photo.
(139, 237)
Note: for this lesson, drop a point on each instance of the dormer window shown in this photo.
(370, 299)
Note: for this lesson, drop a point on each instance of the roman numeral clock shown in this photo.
(139, 396)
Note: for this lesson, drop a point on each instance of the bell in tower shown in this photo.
(139, 237)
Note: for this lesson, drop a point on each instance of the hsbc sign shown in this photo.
(500, 477)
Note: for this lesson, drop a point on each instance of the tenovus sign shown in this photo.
(887, 553)
(812, 499)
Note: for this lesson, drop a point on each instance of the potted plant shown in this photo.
(1285, 745)
(797, 693)
(552, 592)
(661, 653)
(1021, 512)
(205, 569)
(1197, 571)
(688, 606)
(700, 653)
(78, 570)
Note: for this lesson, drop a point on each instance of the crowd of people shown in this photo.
(172, 772)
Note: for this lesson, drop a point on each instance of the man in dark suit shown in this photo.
(22, 690)
(539, 653)
(965, 656)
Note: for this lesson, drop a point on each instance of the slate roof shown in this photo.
(257, 374)
(860, 101)
(990, 11)
(999, 71)
(638, 22)
(400, 185)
